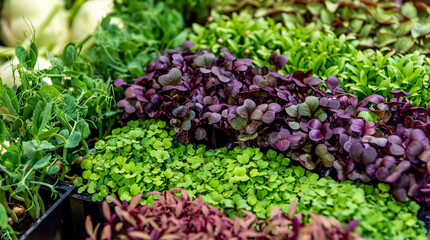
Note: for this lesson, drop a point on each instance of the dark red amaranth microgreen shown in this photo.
(173, 217)
(201, 95)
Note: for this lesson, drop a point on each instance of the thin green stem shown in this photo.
(3, 145)
(40, 204)
(13, 194)
(9, 211)
(63, 173)
(17, 197)
(42, 176)
(36, 210)
(74, 10)
(7, 51)
(11, 233)
(65, 142)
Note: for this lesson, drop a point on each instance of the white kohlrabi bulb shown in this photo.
(89, 17)
(20, 19)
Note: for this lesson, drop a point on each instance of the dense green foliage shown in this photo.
(143, 157)
(192, 10)
(375, 23)
(361, 72)
(123, 51)
(46, 124)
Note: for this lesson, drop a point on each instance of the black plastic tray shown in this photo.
(80, 206)
(49, 226)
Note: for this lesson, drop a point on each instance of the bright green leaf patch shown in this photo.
(239, 179)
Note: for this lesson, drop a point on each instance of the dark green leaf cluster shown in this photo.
(144, 157)
(122, 51)
(46, 124)
(361, 72)
(192, 10)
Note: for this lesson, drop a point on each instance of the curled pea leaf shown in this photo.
(3, 218)
(73, 140)
(69, 54)
(42, 162)
(53, 170)
(10, 160)
(21, 54)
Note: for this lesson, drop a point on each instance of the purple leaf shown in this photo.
(283, 145)
(315, 124)
(399, 93)
(316, 135)
(375, 98)
(119, 83)
(214, 117)
(227, 55)
(332, 83)
(127, 106)
(177, 59)
(369, 155)
(268, 117)
(357, 125)
(187, 44)
(274, 107)
(278, 61)
(415, 148)
(397, 150)
(312, 81)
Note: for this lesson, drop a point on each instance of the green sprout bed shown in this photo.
(144, 157)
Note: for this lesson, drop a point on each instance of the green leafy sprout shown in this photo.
(143, 157)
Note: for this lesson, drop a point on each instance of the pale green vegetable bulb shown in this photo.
(9, 78)
(89, 17)
(20, 19)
